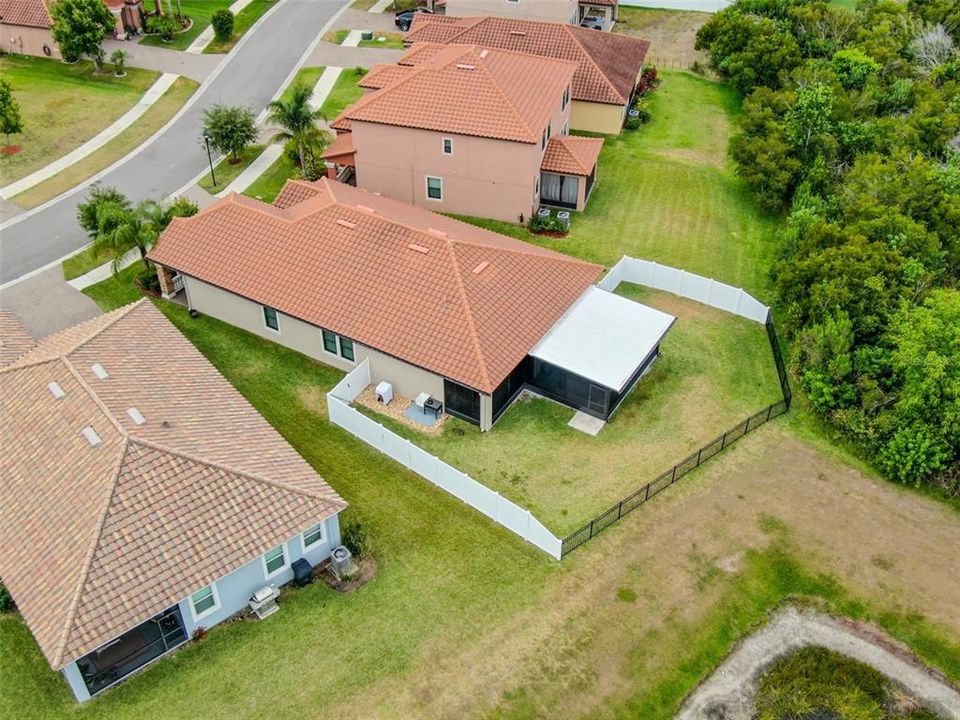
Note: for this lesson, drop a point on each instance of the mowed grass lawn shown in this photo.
(668, 193)
(465, 620)
(63, 106)
(243, 21)
(200, 11)
(715, 370)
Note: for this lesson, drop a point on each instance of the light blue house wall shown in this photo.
(234, 590)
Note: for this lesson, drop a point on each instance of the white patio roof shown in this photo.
(604, 338)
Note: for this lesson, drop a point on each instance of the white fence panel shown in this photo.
(424, 464)
(396, 447)
(353, 382)
(513, 517)
(538, 534)
(725, 297)
(695, 287)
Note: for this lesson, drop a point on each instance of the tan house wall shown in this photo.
(408, 380)
(20, 40)
(562, 11)
(597, 117)
(483, 177)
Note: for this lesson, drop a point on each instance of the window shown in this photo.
(271, 319)
(346, 349)
(313, 535)
(330, 342)
(566, 98)
(274, 561)
(543, 141)
(447, 146)
(434, 188)
(204, 601)
(549, 131)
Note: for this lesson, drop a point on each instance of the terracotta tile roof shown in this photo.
(342, 123)
(429, 308)
(97, 539)
(14, 338)
(607, 63)
(463, 89)
(383, 75)
(28, 13)
(571, 154)
(340, 148)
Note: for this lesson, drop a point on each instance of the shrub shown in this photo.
(357, 541)
(199, 634)
(149, 281)
(222, 22)
(632, 123)
(6, 602)
(163, 25)
(546, 224)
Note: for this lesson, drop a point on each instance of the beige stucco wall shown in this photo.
(597, 117)
(26, 40)
(483, 177)
(408, 380)
(563, 11)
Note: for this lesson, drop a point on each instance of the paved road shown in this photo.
(253, 73)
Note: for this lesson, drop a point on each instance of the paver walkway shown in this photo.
(729, 693)
(153, 93)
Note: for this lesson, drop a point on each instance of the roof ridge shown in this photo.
(88, 559)
(136, 439)
(471, 323)
(477, 21)
(570, 155)
(533, 136)
(554, 255)
(93, 396)
(569, 30)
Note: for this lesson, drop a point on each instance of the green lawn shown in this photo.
(816, 682)
(345, 92)
(268, 185)
(118, 290)
(227, 172)
(200, 11)
(241, 23)
(716, 369)
(392, 40)
(667, 192)
(307, 76)
(63, 106)
(84, 261)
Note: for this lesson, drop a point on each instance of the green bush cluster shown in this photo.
(546, 224)
(222, 22)
(6, 602)
(163, 25)
(851, 126)
(357, 541)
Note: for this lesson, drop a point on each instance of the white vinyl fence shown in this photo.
(446, 477)
(689, 285)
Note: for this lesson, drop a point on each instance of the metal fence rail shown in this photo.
(694, 460)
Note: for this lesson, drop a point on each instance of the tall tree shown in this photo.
(79, 27)
(10, 120)
(298, 121)
(230, 128)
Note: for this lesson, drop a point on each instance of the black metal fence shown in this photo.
(670, 476)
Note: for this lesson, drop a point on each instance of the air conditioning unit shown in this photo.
(543, 212)
(564, 217)
(263, 603)
(341, 562)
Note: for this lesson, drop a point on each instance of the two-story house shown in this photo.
(468, 130)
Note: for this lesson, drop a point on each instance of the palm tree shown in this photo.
(121, 229)
(298, 121)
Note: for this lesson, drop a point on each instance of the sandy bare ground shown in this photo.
(672, 34)
(730, 692)
(584, 649)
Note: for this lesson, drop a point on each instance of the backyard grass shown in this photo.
(118, 290)
(227, 172)
(668, 193)
(463, 619)
(243, 21)
(200, 12)
(816, 682)
(716, 369)
(345, 92)
(127, 141)
(268, 185)
(62, 107)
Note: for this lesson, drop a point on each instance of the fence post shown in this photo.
(591, 528)
(723, 442)
(647, 496)
(620, 510)
(699, 452)
(769, 410)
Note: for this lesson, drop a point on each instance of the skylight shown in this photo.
(99, 371)
(136, 416)
(91, 435)
(56, 390)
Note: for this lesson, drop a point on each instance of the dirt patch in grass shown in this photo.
(313, 399)
(672, 34)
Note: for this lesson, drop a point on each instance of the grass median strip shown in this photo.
(227, 172)
(345, 92)
(242, 22)
(127, 141)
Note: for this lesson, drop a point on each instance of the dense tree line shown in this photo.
(851, 126)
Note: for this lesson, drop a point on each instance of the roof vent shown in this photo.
(465, 66)
(366, 209)
(56, 390)
(136, 416)
(484, 53)
(481, 267)
(346, 224)
(99, 371)
(518, 32)
(91, 435)
(436, 233)
(419, 248)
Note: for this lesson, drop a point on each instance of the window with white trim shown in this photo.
(448, 146)
(434, 188)
(271, 319)
(313, 536)
(275, 560)
(204, 601)
(337, 344)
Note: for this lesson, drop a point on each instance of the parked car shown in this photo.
(405, 17)
(592, 23)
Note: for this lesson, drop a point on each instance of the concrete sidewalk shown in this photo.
(341, 56)
(206, 36)
(151, 96)
(362, 20)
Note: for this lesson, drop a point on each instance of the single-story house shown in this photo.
(436, 305)
(142, 497)
(460, 129)
(595, 14)
(25, 24)
(609, 65)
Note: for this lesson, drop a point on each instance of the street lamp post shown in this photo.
(206, 139)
